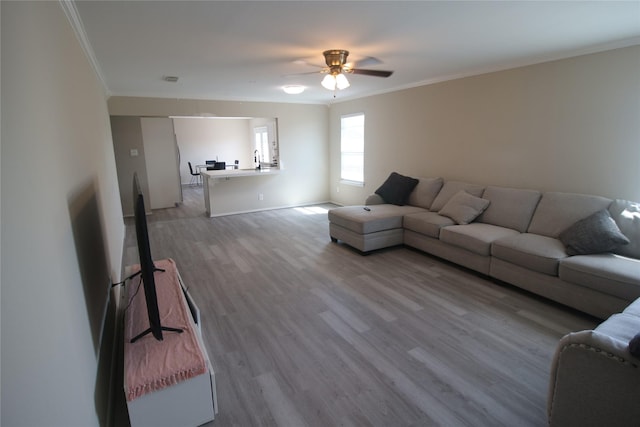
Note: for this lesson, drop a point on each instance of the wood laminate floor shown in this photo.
(305, 332)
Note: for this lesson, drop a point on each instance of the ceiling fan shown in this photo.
(337, 67)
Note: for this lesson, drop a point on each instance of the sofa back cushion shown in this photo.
(374, 199)
(627, 215)
(396, 188)
(509, 207)
(425, 192)
(558, 211)
(450, 189)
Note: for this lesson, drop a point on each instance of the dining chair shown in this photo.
(195, 176)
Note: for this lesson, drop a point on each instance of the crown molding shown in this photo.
(70, 10)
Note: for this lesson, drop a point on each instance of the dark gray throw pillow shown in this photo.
(634, 346)
(594, 234)
(396, 188)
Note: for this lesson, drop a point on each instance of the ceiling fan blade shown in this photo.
(309, 63)
(304, 74)
(367, 61)
(376, 73)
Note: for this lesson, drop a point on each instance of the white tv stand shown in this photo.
(188, 401)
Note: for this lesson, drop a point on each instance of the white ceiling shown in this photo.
(246, 51)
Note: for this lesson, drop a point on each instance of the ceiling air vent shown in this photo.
(171, 79)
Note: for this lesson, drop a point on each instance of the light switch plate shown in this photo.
(133, 152)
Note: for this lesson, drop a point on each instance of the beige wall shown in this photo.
(127, 136)
(570, 125)
(304, 153)
(62, 227)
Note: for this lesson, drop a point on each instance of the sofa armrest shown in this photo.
(374, 199)
(594, 381)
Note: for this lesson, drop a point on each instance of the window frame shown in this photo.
(343, 180)
(261, 146)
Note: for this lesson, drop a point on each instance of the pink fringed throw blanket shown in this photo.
(152, 365)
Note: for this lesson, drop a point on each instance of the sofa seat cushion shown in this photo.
(633, 308)
(621, 327)
(377, 218)
(531, 251)
(475, 237)
(427, 223)
(607, 273)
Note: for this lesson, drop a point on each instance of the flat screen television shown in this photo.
(147, 267)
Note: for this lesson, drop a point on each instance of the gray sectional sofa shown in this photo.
(580, 250)
(516, 238)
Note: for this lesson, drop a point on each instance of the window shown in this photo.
(352, 149)
(261, 153)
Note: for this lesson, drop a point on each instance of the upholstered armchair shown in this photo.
(595, 378)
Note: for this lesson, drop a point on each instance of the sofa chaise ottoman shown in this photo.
(368, 228)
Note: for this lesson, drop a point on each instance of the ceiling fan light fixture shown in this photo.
(329, 82)
(342, 82)
(333, 82)
(337, 66)
(293, 89)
